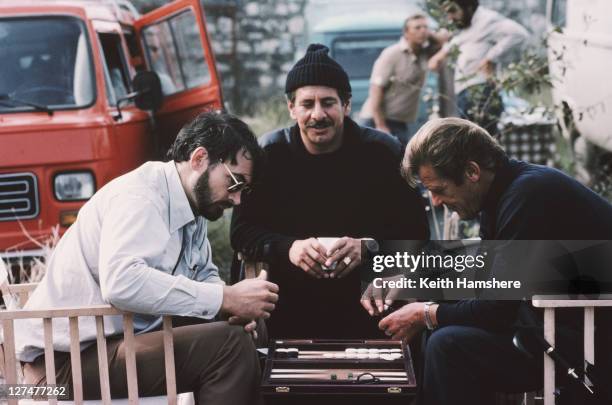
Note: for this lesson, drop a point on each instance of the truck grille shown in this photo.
(18, 196)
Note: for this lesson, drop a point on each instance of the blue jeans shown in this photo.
(399, 129)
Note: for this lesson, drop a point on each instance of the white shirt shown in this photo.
(490, 35)
(122, 250)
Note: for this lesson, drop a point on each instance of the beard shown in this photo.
(466, 20)
(205, 206)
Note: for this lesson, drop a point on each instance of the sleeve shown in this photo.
(506, 34)
(485, 314)
(249, 235)
(382, 69)
(130, 240)
(513, 223)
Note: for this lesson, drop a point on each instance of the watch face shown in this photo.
(371, 245)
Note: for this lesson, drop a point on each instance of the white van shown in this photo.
(580, 59)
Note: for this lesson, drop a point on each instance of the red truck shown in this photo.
(79, 105)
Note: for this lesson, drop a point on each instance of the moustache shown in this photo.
(319, 124)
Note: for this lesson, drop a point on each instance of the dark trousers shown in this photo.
(215, 361)
(466, 365)
(482, 105)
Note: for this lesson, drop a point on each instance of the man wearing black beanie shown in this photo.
(326, 177)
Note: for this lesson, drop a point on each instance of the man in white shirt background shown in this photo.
(483, 38)
(140, 244)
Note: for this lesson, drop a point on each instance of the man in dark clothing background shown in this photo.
(326, 176)
(470, 354)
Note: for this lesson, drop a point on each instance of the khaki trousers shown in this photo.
(215, 361)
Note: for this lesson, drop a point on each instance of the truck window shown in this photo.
(46, 61)
(358, 54)
(174, 51)
(117, 76)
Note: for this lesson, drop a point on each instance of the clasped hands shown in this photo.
(312, 257)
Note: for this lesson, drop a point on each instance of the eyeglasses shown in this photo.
(236, 185)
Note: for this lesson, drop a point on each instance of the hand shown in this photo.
(406, 322)
(442, 35)
(309, 255)
(250, 325)
(251, 298)
(435, 62)
(377, 300)
(374, 301)
(346, 253)
(487, 67)
(383, 128)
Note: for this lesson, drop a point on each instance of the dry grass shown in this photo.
(26, 269)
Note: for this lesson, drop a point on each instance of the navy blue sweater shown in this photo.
(356, 191)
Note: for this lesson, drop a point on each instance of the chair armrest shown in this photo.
(66, 312)
(567, 301)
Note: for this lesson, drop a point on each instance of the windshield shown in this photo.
(357, 55)
(45, 62)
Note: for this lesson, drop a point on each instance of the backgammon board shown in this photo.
(338, 372)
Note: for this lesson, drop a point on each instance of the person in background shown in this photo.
(482, 39)
(397, 78)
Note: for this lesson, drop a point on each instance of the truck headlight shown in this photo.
(74, 186)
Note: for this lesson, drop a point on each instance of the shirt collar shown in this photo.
(179, 208)
(404, 45)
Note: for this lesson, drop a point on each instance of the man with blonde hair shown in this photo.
(466, 169)
(398, 75)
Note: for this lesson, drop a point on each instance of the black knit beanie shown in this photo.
(316, 68)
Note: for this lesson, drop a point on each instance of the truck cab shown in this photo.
(69, 113)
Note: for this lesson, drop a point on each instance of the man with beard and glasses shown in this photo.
(325, 176)
(483, 38)
(140, 243)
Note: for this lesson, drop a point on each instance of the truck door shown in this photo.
(176, 46)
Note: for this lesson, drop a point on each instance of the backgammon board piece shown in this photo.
(360, 371)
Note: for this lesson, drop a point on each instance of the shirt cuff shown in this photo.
(208, 300)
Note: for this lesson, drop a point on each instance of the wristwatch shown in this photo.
(428, 322)
(371, 245)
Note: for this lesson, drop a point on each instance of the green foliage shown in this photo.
(222, 252)
(271, 113)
